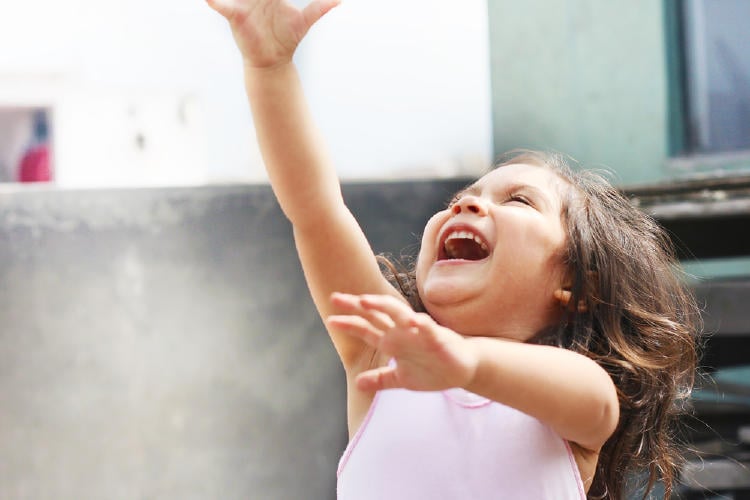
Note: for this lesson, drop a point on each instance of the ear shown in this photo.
(563, 296)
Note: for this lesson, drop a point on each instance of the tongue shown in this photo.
(464, 249)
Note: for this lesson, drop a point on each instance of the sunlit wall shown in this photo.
(143, 93)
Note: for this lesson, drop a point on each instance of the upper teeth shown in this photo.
(466, 235)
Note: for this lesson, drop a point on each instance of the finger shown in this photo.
(377, 379)
(352, 304)
(317, 9)
(223, 7)
(397, 310)
(356, 326)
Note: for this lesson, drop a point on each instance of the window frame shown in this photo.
(681, 161)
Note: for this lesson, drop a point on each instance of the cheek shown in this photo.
(545, 241)
(537, 253)
(431, 230)
(428, 247)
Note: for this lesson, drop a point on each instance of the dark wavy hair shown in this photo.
(641, 323)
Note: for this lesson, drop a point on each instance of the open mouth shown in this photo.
(463, 245)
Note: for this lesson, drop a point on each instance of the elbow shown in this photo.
(610, 415)
(607, 418)
(601, 415)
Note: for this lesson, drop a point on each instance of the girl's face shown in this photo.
(490, 263)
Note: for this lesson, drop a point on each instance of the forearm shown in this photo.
(565, 390)
(300, 171)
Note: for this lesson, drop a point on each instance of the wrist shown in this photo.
(474, 347)
(269, 83)
(254, 68)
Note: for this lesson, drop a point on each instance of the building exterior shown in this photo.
(658, 92)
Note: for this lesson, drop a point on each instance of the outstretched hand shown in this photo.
(267, 32)
(429, 357)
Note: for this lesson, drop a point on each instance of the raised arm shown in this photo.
(334, 252)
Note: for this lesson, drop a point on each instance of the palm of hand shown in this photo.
(428, 357)
(268, 32)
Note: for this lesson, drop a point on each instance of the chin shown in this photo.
(448, 305)
(451, 285)
(460, 320)
(443, 293)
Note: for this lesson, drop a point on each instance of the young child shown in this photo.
(555, 342)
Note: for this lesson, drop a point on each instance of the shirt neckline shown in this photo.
(464, 398)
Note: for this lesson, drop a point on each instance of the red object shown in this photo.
(35, 165)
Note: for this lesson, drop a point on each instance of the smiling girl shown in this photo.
(548, 345)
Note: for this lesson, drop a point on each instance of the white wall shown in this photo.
(401, 88)
(398, 88)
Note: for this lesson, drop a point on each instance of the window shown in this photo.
(715, 74)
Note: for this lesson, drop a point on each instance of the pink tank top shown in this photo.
(454, 445)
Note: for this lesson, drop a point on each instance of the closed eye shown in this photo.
(521, 199)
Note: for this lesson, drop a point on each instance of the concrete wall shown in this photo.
(161, 343)
(583, 77)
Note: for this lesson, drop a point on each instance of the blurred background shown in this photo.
(152, 94)
(156, 336)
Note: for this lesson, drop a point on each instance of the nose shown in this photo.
(471, 204)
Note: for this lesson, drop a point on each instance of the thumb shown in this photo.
(377, 379)
(223, 7)
(317, 9)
